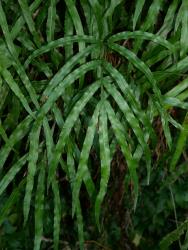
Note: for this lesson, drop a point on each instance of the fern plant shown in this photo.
(83, 77)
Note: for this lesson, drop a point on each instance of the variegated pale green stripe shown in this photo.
(173, 71)
(71, 6)
(183, 20)
(4, 90)
(5, 29)
(48, 139)
(3, 133)
(132, 120)
(40, 16)
(71, 175)
(110, 10)
(83, 172)
(138, 11)
(119, 132)
(19, 133)
(129, 115)
(180, 145)
(172, 101)
(29, 20)
(167, 26)
(169, 19)
(105, 161)
(71, 78)
(180, 87)
(69, 123)
(32, 161)
(175, 102)
(59, 120)
(153, 12)
(43, 67)
(68, 31)
(16, 63)
(76, 21)
(20, 69)
(9, 176)
(15, 89)
(157, 58)
(178, 68)
(97, 10)
(39, 207)
(59, 90)
(69, 52)
(142, 35)
(184, 28)
(5, 57)
(150, 20)
(58, 116)
(108, 17)
(179, 17)
(66, 69)
(20, 21)
(75, 18)
(129, 55)
(70, 163)
(128, 93)
(57, 214)
(25, 79)
(59, 43)
(50, 26)
(87, 13)
(183, 95)
(158, 97)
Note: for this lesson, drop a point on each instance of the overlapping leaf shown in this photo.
(65, 101)
(105, 161)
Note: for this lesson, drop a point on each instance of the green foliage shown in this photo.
(93, 98)
(173, 236)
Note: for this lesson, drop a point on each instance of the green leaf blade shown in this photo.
(32, 161)
(105, 161)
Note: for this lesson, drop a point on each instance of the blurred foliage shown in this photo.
(93, 124)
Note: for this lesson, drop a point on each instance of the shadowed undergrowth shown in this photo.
(93, 124)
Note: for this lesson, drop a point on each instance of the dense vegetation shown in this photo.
(93, 124)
